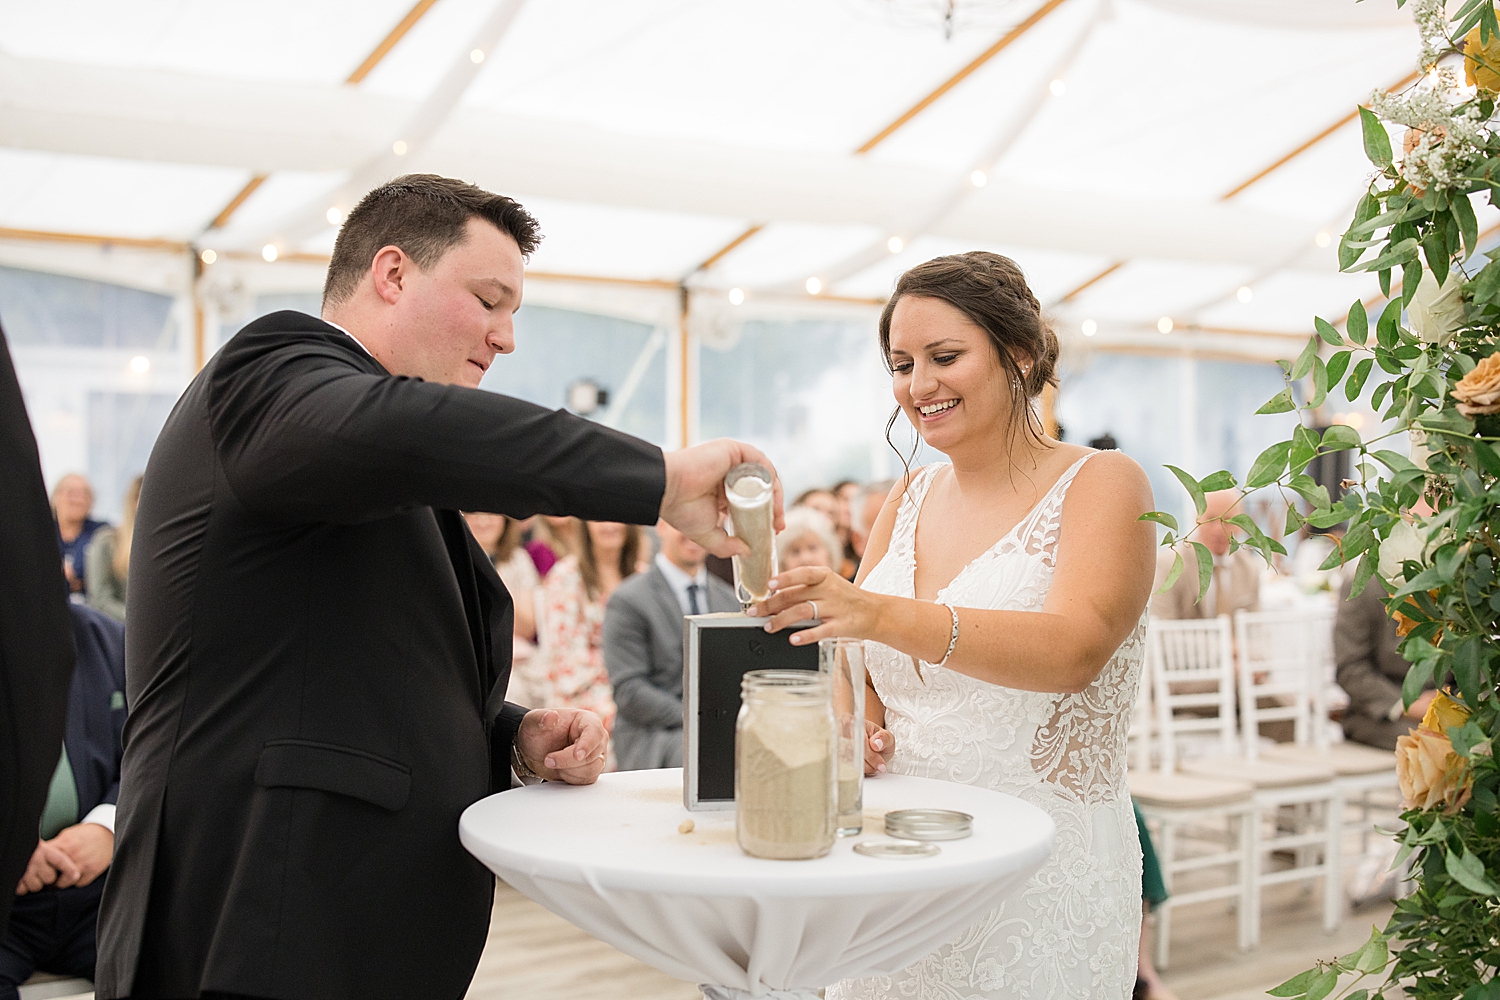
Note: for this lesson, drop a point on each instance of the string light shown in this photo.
(894, 244)
(1322, 239)
(814, 286)
(268, 252)
(398, 147)
(1058, 87)
(978, 179)
(334, 216)
(477, 56)
(1090, 328)
(140, 364)
(1244, 294)
(1164, 324)
(208, 256)
(736, 296)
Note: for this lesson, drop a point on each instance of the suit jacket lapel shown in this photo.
(665, 595)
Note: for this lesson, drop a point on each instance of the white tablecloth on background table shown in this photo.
(609, 858)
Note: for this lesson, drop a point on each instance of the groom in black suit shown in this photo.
(318, 650)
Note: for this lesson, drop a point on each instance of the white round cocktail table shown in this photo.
(609, 858)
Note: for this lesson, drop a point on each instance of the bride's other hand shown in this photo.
(816, 592)
(879, 746)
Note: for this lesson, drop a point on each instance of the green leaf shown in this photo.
(1304, 448)
(1294, 521)
(1160, 517)
(1327, 332)
(1172, 574)
(1320, 384)
(1374, 955)
(1468, 871)
(1337, 365)
(1469, 661)
(1305, 360)
(1411, 277)
(1221, 480)
(1205, 567)
(1378, 396)
(1435, 249)
(1417, 676)
(1192, 486)
(1488, 457)
(1296, 986)
(1485, 288)
(1463, 211)
(1363, 572)
(1385, 280)
(1385, 327)
(1377, 142)
(1340, 437)
(1358, 323)
(1356, 383)
(1280, 403)
(1325, 981)
(1268, 465)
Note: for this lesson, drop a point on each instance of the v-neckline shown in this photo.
(1030, 512)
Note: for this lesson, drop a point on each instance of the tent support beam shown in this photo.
(389, 42)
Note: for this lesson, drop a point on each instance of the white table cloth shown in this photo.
(609, 858)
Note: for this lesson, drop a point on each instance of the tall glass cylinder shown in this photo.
(843, 661)
(752, 518)
(784, 775)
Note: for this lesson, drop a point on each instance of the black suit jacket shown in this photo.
(36, 644)
(96, 708)
(317, 653)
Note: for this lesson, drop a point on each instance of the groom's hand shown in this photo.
(694, 501)
(563, 744)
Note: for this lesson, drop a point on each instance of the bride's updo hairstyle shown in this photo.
(992, 292)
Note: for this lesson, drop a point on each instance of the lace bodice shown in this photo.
(1071, 931)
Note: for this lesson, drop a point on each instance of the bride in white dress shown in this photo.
(1004, 597)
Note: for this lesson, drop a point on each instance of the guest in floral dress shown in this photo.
(567, 670)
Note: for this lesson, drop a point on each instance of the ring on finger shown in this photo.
(814, 606)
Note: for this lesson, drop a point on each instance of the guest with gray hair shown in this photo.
(864, 510)
(809, 539)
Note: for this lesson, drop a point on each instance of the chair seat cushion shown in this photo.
(1152, 788)
(1261, 773)
(1345, 759)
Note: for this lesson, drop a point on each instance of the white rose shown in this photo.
(1435, 313)
(1405, 541)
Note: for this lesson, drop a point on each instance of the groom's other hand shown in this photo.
(563, 744)
(694, 501)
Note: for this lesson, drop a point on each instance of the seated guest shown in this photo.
(567, 670)
(107, 562)
(807, 540)
(51, 927)
(826, 502)
(845, 491)
(72, 502)
(500, 537)
(1235, 585)
(1371, 671)
(551, 539)
(643, 648)
(864, 511)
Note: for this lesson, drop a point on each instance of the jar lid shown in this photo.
(896, 849)
(929, 824)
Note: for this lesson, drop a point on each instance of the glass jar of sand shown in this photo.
(785, 773)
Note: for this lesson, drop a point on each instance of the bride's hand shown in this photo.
(815, 592)
(879, 746)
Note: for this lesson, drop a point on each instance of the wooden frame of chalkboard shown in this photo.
(718, 650)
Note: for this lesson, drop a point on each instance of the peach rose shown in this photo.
(1404, 625)
(1443, 714)
(1481, 62)
(1479, 391)
(1430, 773)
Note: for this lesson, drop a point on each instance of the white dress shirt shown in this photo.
(351, 336)
(679, 581)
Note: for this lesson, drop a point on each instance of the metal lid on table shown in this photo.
(929, 824)
(895, 849)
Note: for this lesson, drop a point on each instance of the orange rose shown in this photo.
(1430, 773)
(1479, 391)
(1482, 62)
(1444, 714)
(1404, 625)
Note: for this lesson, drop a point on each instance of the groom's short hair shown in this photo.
(425, 216)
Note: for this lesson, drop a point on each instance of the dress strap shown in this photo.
(1044, 523)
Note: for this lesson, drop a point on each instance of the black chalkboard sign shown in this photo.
(718, 651)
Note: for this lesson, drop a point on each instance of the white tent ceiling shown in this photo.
(647, 135)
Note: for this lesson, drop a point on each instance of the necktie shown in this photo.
(694, 608)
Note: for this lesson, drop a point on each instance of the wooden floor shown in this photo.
(537, 955)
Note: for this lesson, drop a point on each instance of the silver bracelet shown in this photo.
(952, 639)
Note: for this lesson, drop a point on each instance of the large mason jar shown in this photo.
(785, 768)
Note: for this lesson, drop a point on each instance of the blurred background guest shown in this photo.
(845, 491)
(1365, 638)
(107, 562)
(826, 502)
(56, 908)
(72, 503)
(1235, 585)
(643, 648)
(500, 537)
(567, 670)
(863, 512)
(552, 538)
(808, 540)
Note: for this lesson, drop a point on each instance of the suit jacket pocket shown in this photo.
(330, 768)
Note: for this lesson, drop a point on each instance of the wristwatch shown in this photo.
(524, 773)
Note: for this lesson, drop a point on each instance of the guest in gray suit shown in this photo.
(643, 648)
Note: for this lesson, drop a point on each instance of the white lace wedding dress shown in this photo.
(1072, 930)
